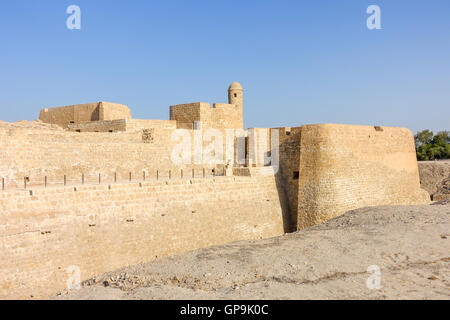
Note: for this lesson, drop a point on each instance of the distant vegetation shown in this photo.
(431, 146)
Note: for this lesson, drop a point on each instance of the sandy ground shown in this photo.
(410, 245)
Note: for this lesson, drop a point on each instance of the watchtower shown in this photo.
(236, 95)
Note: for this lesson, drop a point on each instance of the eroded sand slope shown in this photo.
(435, 178)
(410, 244)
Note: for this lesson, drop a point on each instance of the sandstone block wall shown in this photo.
(186, 114)
(100, 126)
(64, 116)
(289, 172)
(343, 167)
(259, 146)
(221, 116)
(224, 116)
(113, 111)
(35, 153)
(129, 125)
(139, 124)
(101, 228)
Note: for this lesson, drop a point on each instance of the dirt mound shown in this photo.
(388, 252)
(442, 202)
(435, 178)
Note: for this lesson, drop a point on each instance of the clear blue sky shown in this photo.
(298, 61)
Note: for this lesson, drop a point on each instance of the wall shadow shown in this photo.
(287, 177)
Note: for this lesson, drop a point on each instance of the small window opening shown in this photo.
(111, 130)
(78, 130)
(288, 133)
(72, 121)
(296, 175)
(235, 95)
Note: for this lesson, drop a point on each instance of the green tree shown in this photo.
(431, 147)
(423, 137)
(444, 135)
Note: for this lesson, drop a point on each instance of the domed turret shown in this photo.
(236, 94)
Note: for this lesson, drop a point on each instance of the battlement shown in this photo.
(74, 114)
(200, 115)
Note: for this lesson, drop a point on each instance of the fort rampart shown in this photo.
(344, 167)
(64, 116)
(100, 228)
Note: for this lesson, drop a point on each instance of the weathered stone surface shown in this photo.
(100, 228)
(344, 167)
(64, 116)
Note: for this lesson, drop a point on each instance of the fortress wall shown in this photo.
(226, 116)
(84, 112)
(60, 115)
(344, 167)
(36, 153)
(63, 116)
(100, 229)
(222, 116)
(129, 125)
(288, 172)
(139, 124)
(186, 114)
(100, 126)
(259, 148)
(287, 176)
(259, 144)
(113, 111)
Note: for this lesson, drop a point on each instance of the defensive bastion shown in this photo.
(88, 188)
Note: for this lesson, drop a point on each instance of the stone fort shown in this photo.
(88, 187)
